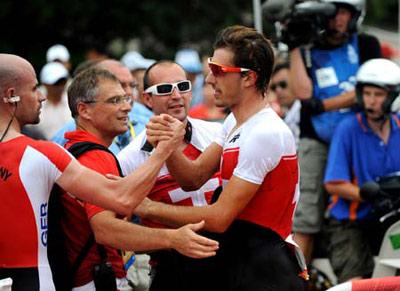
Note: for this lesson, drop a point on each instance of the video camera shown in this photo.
(299, 23)
(384, 195)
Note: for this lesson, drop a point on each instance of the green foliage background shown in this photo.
(29, 27)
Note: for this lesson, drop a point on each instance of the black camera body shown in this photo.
(299, 23)
(384, 196)
(104, 277)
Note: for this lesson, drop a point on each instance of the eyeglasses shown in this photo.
(132, 85)
(167, 88)
(115, 100)
(220, 70)
(282, 84)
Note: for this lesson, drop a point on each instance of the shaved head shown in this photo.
(12, 70)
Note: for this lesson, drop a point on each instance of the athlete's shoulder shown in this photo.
(267, 122)
(203, 124)
(204, 132)
(47, 147)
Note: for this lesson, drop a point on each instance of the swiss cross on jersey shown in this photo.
(167, 190)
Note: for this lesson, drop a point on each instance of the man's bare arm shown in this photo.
(302, 88)
(218, 216)
(121, 195)
(132, 237)
(343, 100)
(300, 82)
(344, 189)
(189, 174)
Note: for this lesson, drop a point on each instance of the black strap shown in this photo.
(80, 148)
(77, 150)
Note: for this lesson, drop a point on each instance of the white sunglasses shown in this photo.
(167, 88)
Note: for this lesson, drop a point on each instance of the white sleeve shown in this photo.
(227, 127)
(259, 154)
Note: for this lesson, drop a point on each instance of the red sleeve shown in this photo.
(59, 156)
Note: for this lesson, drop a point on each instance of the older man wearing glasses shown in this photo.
(167, 90)
(100, 107)
(136, 121)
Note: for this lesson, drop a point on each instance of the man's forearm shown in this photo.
(299, 80)
(192, 174)
(126, 235)
(344, 100)
(345, 190)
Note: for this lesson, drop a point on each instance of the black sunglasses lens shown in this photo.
(283, 84)
(164, 89)
(183, 86)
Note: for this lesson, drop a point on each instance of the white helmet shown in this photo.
(358, 7)
(380, 73)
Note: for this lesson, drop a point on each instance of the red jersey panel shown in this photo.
(28, 171)
(262, 151)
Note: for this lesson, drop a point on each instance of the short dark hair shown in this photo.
(85, 87)
(250, 49)
(146, 77)
(280, 66)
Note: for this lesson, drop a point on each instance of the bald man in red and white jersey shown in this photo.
(29, 169)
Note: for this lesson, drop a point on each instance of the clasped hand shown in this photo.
(165, 130)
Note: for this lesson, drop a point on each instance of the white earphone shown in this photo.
(12, 99)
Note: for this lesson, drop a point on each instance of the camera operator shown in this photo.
(323, 75)
(364, 147)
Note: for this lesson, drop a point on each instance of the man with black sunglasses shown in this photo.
(289, 104)
(256, 154)
(167, 91)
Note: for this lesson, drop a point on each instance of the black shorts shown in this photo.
(250, 257)
(254, 258)
(24, 279)
(173, 271)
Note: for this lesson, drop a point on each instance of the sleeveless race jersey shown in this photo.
(166, 189)
(262, 151)
(28, 171)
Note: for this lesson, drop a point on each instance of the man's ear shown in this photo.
(84, 110)
(250, 79)
(147, 100)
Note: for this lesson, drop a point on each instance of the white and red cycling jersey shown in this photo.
(263, 151)
(28, 171)
(199, 134)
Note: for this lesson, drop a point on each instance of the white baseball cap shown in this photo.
(189, 59)
(52, 72)
(57, 52)
(134, 61)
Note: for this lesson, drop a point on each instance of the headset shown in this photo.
(12, 99)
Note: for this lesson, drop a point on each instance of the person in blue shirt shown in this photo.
(322, 76)
(364, 148)
(137, 121)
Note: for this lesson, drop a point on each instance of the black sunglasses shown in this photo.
(282, 84)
